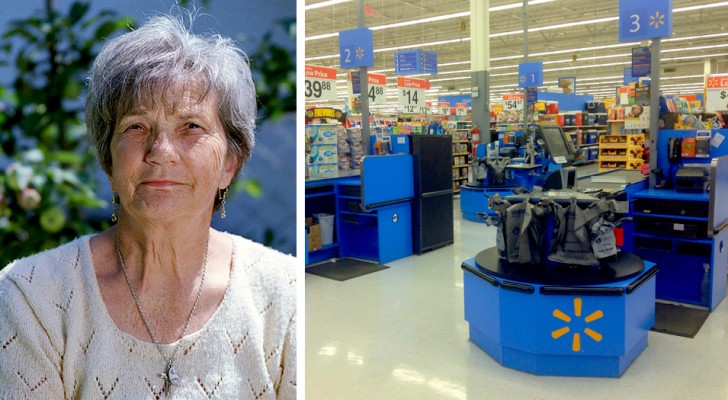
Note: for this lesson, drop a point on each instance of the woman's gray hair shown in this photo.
(142, 65)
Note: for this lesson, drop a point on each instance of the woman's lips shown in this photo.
(161, 183)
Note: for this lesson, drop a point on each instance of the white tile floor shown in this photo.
(400, 334)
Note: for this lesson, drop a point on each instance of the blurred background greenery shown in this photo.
(48, 177)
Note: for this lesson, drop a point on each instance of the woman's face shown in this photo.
(169, 161)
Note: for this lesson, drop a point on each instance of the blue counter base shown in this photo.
(581, 334)
(474, 200)
(558, 365)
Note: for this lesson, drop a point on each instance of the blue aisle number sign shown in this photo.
(356, 48)
(530, 74)
(639, 19)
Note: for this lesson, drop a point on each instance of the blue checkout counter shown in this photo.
(568, 321)
(586, 321)
(373, 211)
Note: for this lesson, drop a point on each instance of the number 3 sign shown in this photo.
(639, 20)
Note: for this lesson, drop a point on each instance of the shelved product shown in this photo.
(621, 151)
(460, 157)
(323, 156)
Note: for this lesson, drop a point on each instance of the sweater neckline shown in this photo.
(98, 300)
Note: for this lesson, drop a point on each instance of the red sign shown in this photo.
(517, 96)
(413, 83)
(377, 79)
(443, 104)
(461, 105)
(313, 71)
(718, 82)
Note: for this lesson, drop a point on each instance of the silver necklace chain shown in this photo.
(170, 376)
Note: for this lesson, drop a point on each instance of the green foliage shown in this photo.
(274, 68)
(49, 182)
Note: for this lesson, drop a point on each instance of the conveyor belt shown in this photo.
(609, 181)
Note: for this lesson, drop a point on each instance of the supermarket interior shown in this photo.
(520, 200)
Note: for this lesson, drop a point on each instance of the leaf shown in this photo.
(107, 28)
(78, 10)
(251, 186)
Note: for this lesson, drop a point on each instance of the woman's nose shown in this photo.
(161, 149)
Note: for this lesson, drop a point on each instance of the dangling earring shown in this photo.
(221, 195)
(114, 206)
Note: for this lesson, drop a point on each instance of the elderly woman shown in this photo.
(160, 304)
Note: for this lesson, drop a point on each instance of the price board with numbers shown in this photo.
(320, 83)
(377, 88)
(639, 20)
(461, 109)
(513, 102)
(443, 107)
(412, 94)
(716, 98)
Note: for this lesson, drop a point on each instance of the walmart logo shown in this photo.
(576, 338)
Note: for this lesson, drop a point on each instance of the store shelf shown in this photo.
(639, 214)
(620, 151)
(691, 270)
(460, 160)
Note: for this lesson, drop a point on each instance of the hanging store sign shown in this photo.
(412, 94)
(377, 89)
(356, 48)
(415, 62)
(513, 102)
(639, 20)
(461, 109)
(641, 61)
(443, 107)
(320, 83)
(716, 98)
(376, 86)
(530, 74)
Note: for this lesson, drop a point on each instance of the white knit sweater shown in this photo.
(57, 340)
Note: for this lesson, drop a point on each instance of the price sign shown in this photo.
(530, 74)
(639, 20)
(443, 107)
(377, 89)
(412, 94)
(356, 48)
(320, 83)
(461, 109)
(513, 102)
(717, 93)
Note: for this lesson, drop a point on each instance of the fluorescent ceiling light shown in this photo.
(461, 14)
(700, 7)
(324, 4)
(421, 21)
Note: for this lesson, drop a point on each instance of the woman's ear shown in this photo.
(232, 164)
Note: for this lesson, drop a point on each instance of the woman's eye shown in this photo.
(135, 127)
(192, 125)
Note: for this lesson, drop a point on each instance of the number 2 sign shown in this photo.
(639, 20)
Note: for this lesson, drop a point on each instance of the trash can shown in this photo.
(327, 227)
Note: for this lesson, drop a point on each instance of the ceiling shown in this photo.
(587, 47)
